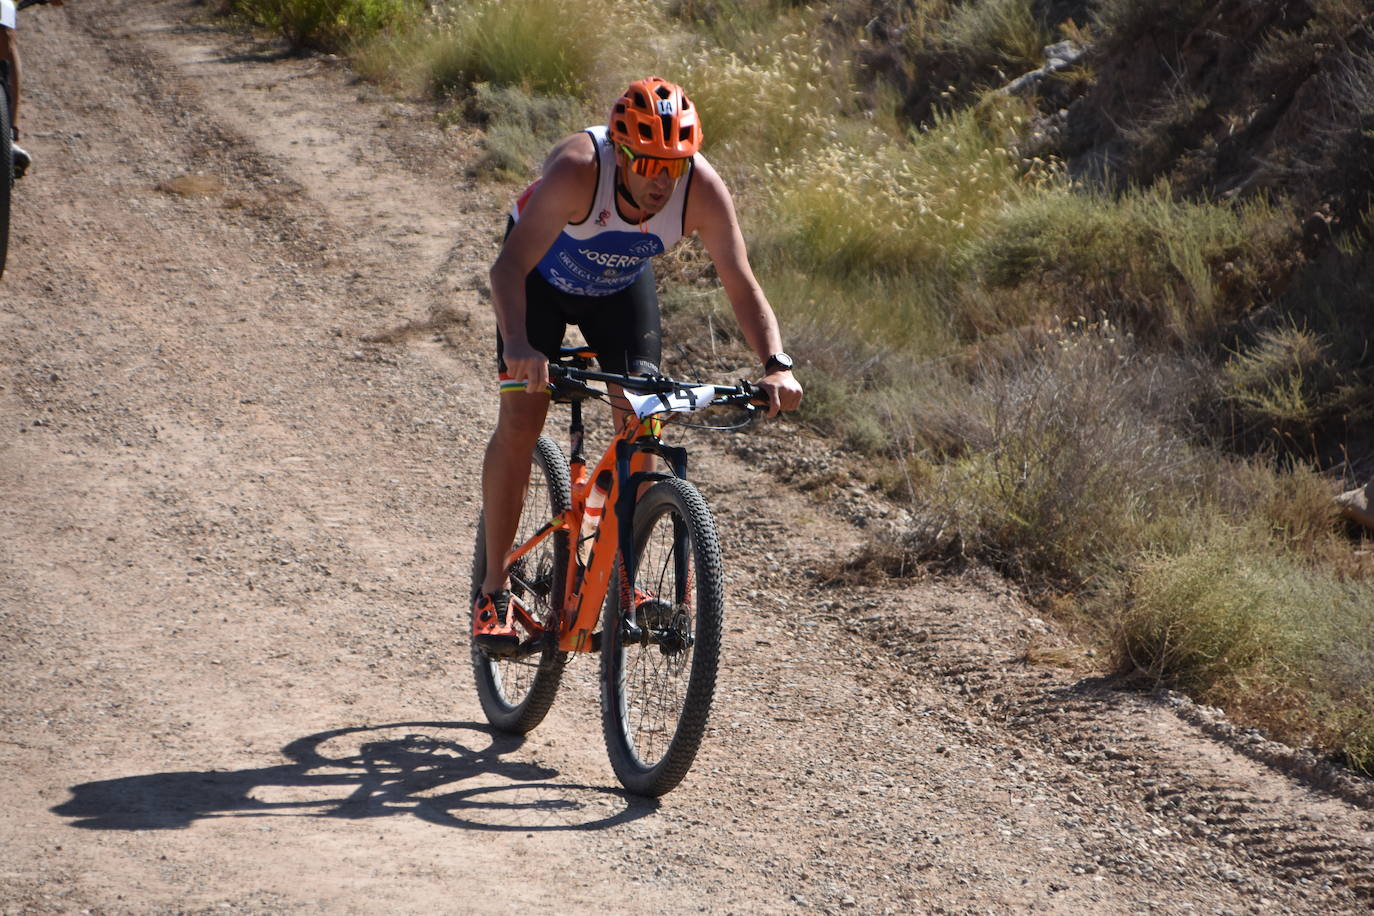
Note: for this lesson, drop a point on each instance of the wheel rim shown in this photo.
(656, 661)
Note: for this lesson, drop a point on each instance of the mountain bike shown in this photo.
(641, 582)
(6, 146)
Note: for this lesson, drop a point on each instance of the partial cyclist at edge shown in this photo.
(9, 59)
(577, 251)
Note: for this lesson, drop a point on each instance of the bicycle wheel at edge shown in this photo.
(516, 693)
(656, 691)
(6, 173)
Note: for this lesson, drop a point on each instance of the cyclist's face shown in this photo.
(652, 194)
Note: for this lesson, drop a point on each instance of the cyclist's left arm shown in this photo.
(711, 215)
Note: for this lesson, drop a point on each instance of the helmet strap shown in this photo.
(624, 191)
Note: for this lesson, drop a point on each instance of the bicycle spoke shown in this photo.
(516, 691)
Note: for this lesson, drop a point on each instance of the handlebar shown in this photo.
(568, 384)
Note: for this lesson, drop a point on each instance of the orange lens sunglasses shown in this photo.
(651, 166)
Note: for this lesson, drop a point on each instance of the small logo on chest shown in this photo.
(602, 217)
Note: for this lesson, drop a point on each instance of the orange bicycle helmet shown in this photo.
(655, 118)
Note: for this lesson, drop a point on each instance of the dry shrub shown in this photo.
(1296, 504)
(1203, 621)
(1280, 643)
(1069, 464)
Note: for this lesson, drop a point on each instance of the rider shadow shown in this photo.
(420, 769)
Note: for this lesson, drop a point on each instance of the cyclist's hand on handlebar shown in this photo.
(526, 364)
(783, 390)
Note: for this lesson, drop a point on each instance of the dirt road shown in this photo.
(245, 387)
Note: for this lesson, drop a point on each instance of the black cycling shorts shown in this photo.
(623, 328)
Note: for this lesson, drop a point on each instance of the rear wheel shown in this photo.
(517, 691)
(6, 172)
(661, 641)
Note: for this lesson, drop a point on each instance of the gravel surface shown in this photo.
(244, 387)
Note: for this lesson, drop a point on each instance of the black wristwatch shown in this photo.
(778, 362)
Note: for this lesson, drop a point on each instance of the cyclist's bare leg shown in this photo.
(9, 51)
(506, 474)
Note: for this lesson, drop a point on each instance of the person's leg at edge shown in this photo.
(9, 51)
(506, 476)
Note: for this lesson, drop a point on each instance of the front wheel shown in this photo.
(661, 641)
(516, 692)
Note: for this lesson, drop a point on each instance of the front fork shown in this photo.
(588, 579)
(676, 459)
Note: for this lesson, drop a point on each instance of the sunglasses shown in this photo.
(651, 166)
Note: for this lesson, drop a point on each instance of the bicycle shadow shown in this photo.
(420, 769)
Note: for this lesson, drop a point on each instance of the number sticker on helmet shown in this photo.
(666, 108)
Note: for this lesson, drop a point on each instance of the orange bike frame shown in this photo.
(629, 460)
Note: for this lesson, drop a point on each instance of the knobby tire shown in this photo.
(6, 173)
(656, 690)
(517, 693)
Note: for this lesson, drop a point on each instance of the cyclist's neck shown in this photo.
(622, 192)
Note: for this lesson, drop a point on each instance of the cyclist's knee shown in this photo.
(521, 419)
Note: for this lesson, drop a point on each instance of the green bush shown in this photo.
(520, 127)
(1164, 268)
(330, 25)
(997, 33)
(1208, 620)
(550, 47)
(903, 208)
(1236, 620)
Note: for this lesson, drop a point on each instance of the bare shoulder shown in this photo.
(574, 153)
(565, 190)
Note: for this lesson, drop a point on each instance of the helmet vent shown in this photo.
(655, 118)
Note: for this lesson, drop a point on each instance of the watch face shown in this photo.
(779, 361)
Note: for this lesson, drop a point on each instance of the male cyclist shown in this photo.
(577, 251)
(9, 63)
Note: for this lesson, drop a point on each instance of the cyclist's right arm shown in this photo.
(562, 196)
